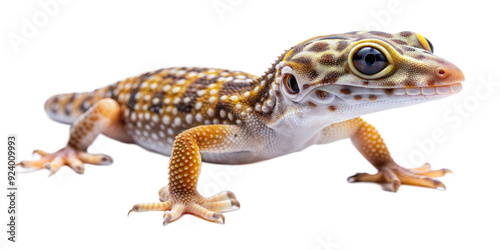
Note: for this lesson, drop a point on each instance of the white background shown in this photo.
(299, 201)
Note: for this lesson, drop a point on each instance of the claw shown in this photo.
(220, 219)
(133, 208)
(235, 203)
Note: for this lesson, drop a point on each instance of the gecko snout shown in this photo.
(449, 72)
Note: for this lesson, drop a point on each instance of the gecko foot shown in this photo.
(68, 156)
(396, 175)
(174, 206)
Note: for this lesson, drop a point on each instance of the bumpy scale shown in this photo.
(313, 94)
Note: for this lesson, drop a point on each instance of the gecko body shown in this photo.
(313, 94)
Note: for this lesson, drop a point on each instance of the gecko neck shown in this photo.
(268, 94)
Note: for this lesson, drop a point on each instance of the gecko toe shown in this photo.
(396, 176)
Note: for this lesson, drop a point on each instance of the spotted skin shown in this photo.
(231, 117)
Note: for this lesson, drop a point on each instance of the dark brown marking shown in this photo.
(146, 75)
(67, 108)
(331, 77)
(327, 59)
(382, 34)
(358, 97)
(312, 74)
(312, 104)
(156, 107)
(229, 88)
(399, 41)
(220, 106)
(365, 83)
(372, 97)
(389, 91)
(186, 107)
(54, 105)
(410, 49)
(341, 59)
(406, 33)
(297, 49)
(345, 91)
(342, 45)
(330, 60)
(86, 100)
(302, 60)
(306, 86)
(318, 47)
(131, 100)
(109, 91)
(421, 57)
(332, 108)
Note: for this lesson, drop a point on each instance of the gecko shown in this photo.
(314, 93)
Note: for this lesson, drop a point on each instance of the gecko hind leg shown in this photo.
(101, 118)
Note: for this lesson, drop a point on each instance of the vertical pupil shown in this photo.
(292, 84)
(370, 59)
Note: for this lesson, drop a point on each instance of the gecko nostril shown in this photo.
(441, 72)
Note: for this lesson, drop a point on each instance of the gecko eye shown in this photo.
(369, 60)
(291, 84)
(426, 44)
(430, 45)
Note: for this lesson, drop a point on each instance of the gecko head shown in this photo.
(357, 73)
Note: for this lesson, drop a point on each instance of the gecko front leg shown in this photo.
(371, 145)
(181, 195)
(101, 118)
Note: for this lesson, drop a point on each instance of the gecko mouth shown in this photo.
(331, 94)
(427, 91)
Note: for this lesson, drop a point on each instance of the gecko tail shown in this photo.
(66, 108)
